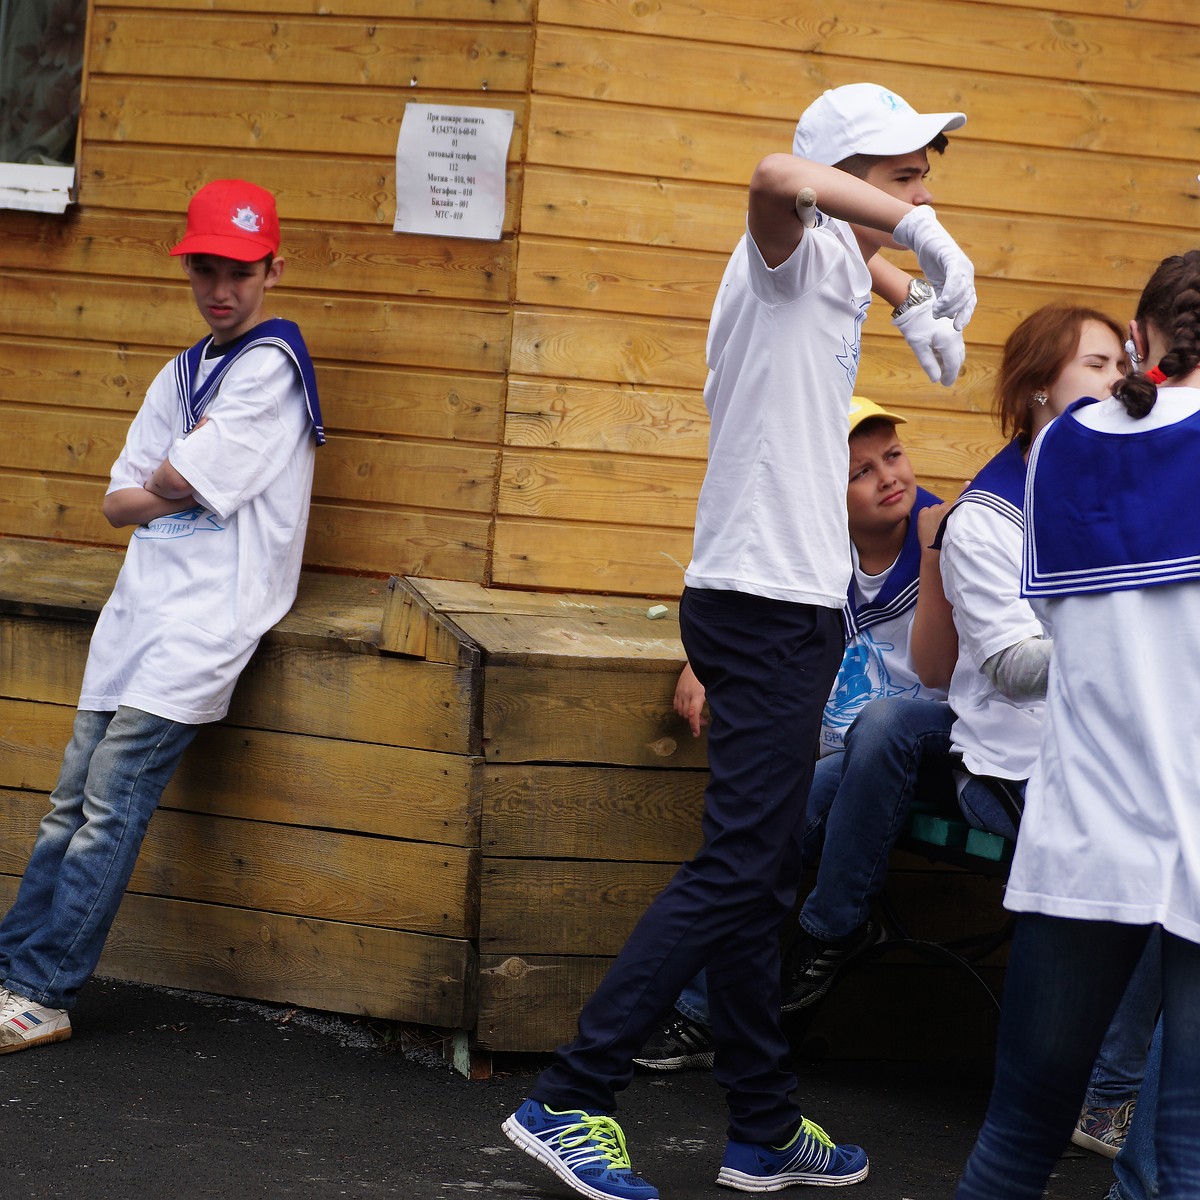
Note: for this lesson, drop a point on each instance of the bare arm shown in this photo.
(773, 222)
(934, 640)
(137, 506)
(777, 228)
(888, 281)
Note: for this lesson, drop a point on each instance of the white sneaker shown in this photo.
(25, 1023)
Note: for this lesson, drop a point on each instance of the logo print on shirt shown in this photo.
(863, 676)
(848, 359)
(246, 218)
(179, 525)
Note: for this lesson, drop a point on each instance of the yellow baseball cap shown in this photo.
(862, 409)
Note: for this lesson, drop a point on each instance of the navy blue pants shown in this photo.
(767, 667)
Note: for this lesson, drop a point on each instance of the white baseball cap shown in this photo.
(864, 118)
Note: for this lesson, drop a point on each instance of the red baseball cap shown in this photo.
(233, 219)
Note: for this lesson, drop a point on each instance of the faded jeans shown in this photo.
(113, 772)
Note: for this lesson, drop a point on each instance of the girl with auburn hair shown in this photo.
(1109, 853)
(1055, 356)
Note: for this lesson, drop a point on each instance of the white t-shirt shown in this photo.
(981, 575)
(877, 664)
(1111, 829)
(783, 348)
(199, 588)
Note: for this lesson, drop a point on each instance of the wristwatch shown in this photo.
(919, 290)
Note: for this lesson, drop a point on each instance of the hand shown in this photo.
(689, 699)
(934, 340)
(943, 263)
(929, 521)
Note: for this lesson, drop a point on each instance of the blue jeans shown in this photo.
(113, 773)
(1064, 981)
(1136, 1168)
(874, 784)
(767, 667)
(1117, 1076)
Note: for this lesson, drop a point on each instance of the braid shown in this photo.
(1171, 300)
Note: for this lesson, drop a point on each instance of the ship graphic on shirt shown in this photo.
(862, 677)
(179, 525)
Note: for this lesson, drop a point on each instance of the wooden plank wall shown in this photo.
(410, 334)
(527, 413)
(1075, 174)
(319, 846)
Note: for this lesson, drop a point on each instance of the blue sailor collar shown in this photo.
(273, 332)
(899, 592)
(1109, 512)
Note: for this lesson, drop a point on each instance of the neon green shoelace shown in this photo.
(600, 1133)
(814, 1130)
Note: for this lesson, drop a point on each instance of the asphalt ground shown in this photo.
(162, 1093)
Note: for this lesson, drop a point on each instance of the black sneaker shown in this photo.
(678, 1044)
(811, 966)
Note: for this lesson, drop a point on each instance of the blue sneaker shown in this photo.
(809, 1158)
(586, 1152)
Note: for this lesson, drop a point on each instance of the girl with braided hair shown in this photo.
(1110, 839)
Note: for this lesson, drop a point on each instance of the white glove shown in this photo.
(942, 262)
(934, 340)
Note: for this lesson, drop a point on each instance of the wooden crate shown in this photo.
(319, 846)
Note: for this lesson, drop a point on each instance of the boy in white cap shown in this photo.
(215, 476)
(761, 623)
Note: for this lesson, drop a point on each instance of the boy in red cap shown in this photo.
(215, 475)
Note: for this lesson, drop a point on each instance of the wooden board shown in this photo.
(314, 873)
(558, 556)
(567, 415)
(385, 54)
(294, 689)
(530, 906)
(381, 331)
(606, 813)
(96, 241)
(934, 33)
(587, 715)
(385, 973)
(283, 778)
(448, 10)
(530, 1002)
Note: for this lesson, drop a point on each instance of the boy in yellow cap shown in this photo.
(215, 476)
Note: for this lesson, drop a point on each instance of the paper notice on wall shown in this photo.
(450, 164)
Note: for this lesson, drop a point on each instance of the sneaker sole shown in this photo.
(791, 1006)
(58, 1035)
(1094, 1144)
(741, 1182)
(536, 1148)
(683, 1062)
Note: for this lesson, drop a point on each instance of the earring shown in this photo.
(1041, 398)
